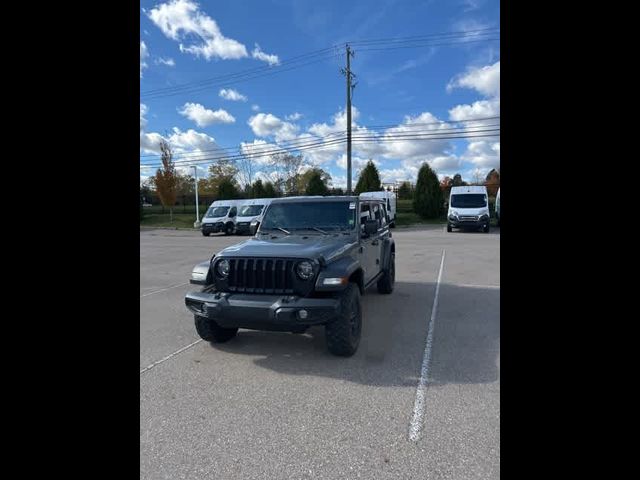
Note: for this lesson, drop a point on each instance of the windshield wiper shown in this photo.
(283, 230)
(319, 230)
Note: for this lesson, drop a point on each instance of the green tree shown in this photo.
(165, 179)
(257, 189)
(337, 191)
(405, 192)
(270, 191)
(227, 189)
(428, 201)
(316, 184)
(369, 180)
(457, 181)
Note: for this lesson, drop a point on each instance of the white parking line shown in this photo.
(417, 421)
(164, 289)
(169, 356)
(489, 287)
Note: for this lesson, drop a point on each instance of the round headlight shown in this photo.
(304, 270)
(223, 268)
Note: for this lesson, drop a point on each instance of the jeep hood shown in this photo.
(292, 246)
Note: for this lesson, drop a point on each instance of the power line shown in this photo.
(293, 145)
(357, 127)
(320, 145)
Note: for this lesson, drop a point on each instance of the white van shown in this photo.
(389, 198)
(498, 207)
(220, 217)
(468, 208)
(251, 211)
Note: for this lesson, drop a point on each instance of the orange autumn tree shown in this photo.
(165, 178)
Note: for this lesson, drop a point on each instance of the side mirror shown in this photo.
(370, 227)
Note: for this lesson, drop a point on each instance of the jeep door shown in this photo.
(369, 246)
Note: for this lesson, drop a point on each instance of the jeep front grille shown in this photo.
(261, 275)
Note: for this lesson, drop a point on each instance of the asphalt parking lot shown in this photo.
(278, 405)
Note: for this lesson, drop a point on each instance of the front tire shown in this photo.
(210, 331)
(449, 229)
(343, 333)
(228, 229)
(388, 280)
(486, 228)
(206, 234)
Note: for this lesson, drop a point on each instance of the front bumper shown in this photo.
(212, 227)
(463, 223)
(262, 312)
(243, 227)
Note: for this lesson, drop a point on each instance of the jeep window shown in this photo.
(251, 210)
(307, 215)
(469, 200)
(217, 212)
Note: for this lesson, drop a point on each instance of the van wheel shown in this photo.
(449, 229)
(486, 228)
(343, 333)
(206, 234)
(228, 229)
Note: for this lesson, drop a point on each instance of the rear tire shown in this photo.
(388, 280)
(210, 331)
(343, 333)
(449, 229)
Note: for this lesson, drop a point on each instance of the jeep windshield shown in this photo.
(314, 216)
(251, 210)
(217, 212)
(469, 200)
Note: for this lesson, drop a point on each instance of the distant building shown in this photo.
(394, 186)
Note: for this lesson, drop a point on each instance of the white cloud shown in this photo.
(258, 147)
(293, 117)
(143, 111)
(357, 163)
(144, 54)
(170, 62)
(483, 154)
(204, 117)
(192, 141)
(485, 80)
(267, 124)
(260, 55)
(231, 94)
(182, 20)
(339, 123)
(255, 108)
(479, 109)
(150, 142)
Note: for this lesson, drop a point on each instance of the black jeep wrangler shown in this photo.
(308, 264)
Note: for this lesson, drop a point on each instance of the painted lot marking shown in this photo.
(417, 421)
(164, 289)
(488, 287)
(146, 369)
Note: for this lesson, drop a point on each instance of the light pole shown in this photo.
(197, 222)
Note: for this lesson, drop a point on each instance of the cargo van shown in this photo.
(389, 198)
(220, 217)
(250, 211)
(468, 208)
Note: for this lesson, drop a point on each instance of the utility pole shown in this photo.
(348, 74)
(197, 224)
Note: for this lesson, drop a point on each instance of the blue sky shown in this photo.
(183, 42)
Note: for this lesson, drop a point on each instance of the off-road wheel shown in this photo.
(343, 333)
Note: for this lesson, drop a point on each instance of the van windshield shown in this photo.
(469, 200)
(217, 212)
(251, 210)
